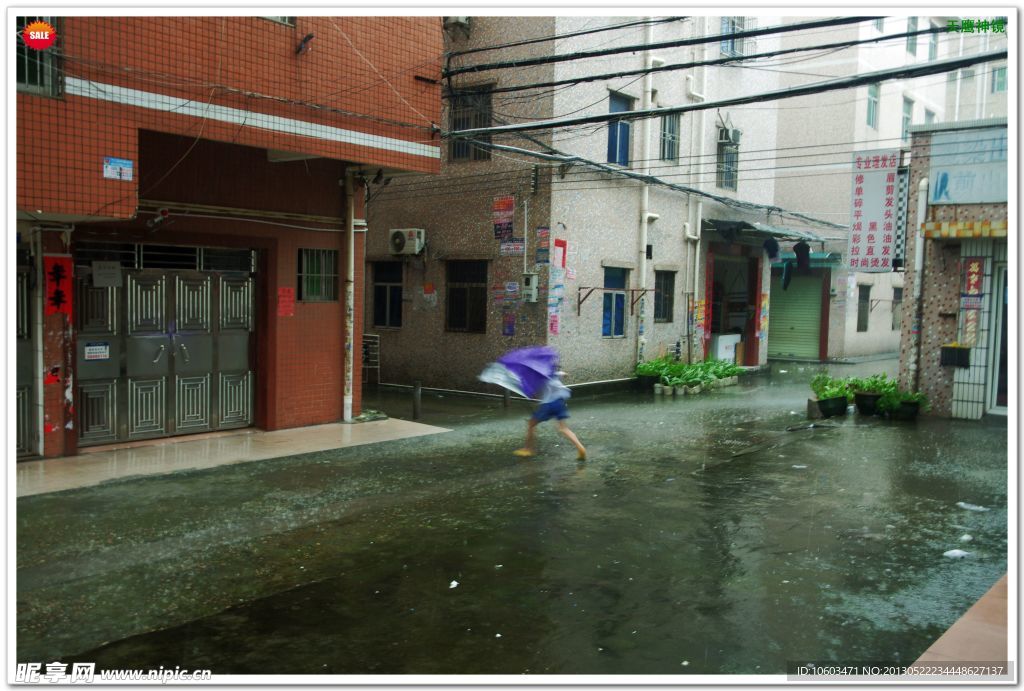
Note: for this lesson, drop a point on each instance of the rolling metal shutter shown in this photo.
(794, 323)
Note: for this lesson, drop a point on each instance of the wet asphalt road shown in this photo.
(699, 537)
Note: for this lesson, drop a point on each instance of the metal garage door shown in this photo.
(794, 324)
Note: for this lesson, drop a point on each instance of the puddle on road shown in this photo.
(631, 563)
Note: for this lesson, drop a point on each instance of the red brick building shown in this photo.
(190, 216)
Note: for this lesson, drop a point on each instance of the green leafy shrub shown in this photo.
(826, 386)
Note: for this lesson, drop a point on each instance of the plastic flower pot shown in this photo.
(830, 407)
(866, 401)
(657, 389)
(906, 411)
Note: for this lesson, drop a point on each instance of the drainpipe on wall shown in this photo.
(645, 215)
(916, 327)
(350, 292)
(698, 209)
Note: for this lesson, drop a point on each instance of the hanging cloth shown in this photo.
(771, 246)
(803, 256)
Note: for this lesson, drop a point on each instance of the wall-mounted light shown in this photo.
(161, 216)
(303, 46)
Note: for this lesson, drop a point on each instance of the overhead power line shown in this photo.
(717, 61)
(905, 72)
(547, 59)
(653, 180)
(624, 25)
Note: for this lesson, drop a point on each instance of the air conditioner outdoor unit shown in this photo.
(459, 24)
(407, 240)
(734, 135)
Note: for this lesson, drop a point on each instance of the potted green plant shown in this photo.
(868, 391)
(903, 405)
(648, 373)
(832, 394)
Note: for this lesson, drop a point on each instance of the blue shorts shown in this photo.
(554, 409)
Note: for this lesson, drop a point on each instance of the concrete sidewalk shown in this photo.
(978, 636)
(163, 456)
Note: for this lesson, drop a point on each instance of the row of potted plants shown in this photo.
(679, 377)
(874, 395)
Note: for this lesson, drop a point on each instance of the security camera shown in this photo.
(161, 216)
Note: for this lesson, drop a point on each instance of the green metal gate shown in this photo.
(794, 325)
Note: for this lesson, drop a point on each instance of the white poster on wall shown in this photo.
(873, 216)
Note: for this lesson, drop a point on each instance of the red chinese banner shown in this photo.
(970, 299)
(59, 291)
(503, 214)
(873, 217)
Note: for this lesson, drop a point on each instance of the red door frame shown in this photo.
(709, 280)
(751, 344)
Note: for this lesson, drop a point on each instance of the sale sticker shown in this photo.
(39, 35)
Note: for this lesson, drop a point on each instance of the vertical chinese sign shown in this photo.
(543, 245)
(503, 213)
(970, 299)
(873, 218)
(58, 284)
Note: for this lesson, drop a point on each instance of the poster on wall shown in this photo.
(513, 247)
(285, 301)
(503, 213)
(873, 227)
(508, 324)
(553, 323)
(762, 324)
(58, 270)
(561, 247)
(543, 245)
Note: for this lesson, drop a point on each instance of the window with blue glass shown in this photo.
(613, 322)
(618, 131)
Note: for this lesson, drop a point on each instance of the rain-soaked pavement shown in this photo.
(700, 537)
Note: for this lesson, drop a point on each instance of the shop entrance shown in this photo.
(733, 286)
(167, 352)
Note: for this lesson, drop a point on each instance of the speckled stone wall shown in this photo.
(455, 210)
(940, 288)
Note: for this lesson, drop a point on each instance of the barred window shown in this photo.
(613, 316)
(467, 296)
(318, 275)
(619, 131)
(470, 109)
(670, 137)
(728, 161)
(664, 290)
(38, 69)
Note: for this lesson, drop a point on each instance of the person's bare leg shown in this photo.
(527, 449)
(571, 436)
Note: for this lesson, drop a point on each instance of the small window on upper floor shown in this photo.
(290, 21)
(470, 109)
(912, 40)
(998, 80)
(670, 137)
(619, 131)
(737, 46)
(38, 71)
(728, 158)
(933, 44)
(880, 23)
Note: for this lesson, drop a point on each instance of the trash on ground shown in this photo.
(799, 467)
(453, 584)
(966, 538)
(955, 554)
(970, 507)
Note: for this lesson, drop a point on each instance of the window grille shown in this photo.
(670, 137)
(38, 70)
(318, 275)
(728, 161)
(664, 291)
(470, 109)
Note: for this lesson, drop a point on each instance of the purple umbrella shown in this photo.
(525, 371)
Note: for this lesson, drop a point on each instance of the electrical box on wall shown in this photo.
(406, 240)
(531, 282)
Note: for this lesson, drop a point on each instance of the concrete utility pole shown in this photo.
(645, 191)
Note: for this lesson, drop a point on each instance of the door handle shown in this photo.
(159, 353)
(184, 351)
